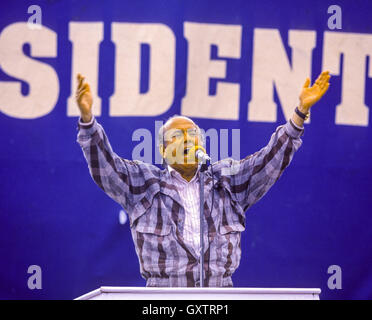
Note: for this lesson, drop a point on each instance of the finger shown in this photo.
(323, 76)
(307, 83)
(84, 87)
(321, 83)
(78, 93)
(324, 81)
(324, 90)
(320, 78)
(79, 85)
(81, 95)
(80, 81)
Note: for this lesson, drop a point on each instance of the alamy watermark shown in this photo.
(335, 20)
(35, 20)
(222, 143)
(335, 280)
(35, 280)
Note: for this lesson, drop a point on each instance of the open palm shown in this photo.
(310, 95)
(84, 97)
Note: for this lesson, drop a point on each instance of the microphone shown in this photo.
(198, 153)
(202, 155)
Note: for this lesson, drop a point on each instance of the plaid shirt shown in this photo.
(157, 216)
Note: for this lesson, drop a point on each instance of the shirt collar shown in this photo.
(175, 174)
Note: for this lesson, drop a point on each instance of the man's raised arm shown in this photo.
(258, 172)
(119, 178)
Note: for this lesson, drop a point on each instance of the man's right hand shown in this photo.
(84, 99)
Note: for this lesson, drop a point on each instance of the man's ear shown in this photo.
(162, 150)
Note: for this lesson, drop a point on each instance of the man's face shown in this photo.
(180, 135)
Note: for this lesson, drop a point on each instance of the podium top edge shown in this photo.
(189, 291)
(235, 290)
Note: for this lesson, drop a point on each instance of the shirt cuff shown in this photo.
(294, 130)
(86, 125)
(87, 128)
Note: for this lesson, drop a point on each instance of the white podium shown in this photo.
(151, 293)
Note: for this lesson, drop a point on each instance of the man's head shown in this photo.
(176, 137)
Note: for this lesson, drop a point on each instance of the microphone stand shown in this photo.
(203, 168)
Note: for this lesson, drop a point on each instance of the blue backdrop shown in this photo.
(53, 215)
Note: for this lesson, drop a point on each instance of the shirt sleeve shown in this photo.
(119, 178)
(253, 176)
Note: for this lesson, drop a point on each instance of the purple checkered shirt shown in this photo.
(157, 216)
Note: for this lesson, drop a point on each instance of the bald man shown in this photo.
(163, 205)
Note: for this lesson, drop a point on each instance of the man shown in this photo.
(163, 205)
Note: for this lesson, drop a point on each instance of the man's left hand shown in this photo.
(310, 95)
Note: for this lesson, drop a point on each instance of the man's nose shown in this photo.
(188, 139)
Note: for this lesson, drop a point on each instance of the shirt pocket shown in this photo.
(153, 221)
(232, 218)
(234, 227)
